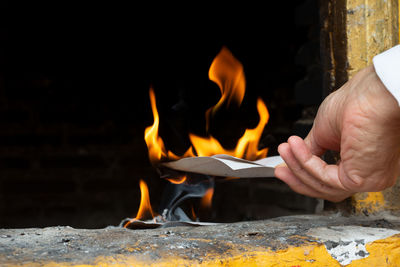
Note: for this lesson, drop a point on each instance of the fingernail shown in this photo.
(281, 165)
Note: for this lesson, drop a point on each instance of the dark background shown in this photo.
(74, 82)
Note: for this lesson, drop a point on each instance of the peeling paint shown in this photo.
(348, 243)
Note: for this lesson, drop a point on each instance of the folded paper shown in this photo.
(227, 166)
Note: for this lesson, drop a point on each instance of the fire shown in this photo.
(247, 146)
(154, 143)
(206, 200)
(178, 180)
(227, 72)
(194, 216)
(145, 210)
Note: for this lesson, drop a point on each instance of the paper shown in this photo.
(152, 224)
(227, 166)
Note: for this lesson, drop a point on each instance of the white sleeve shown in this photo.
(387, 66)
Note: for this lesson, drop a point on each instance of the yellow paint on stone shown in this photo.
(384, 252)
(369, 203)
(313, 254)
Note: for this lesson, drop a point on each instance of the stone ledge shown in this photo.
(305, 240)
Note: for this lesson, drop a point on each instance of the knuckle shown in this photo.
(352, 181)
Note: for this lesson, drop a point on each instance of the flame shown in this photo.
(247, 146)
(145, 210)
(154, 143)
(178, 180)
(227, 72)
(231, 178)
(194, 216)
(206, 200)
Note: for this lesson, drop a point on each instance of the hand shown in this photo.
(362, 121)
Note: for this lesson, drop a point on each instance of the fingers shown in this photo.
(313, 167)
(296, 168)
(308, 174)
(287, 176)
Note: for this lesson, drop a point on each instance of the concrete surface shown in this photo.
(317, 240)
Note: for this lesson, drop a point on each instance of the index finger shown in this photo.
(314, 165)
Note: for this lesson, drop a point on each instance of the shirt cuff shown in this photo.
(387, 66)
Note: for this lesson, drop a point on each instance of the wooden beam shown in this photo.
(352, 33)
(371, 28)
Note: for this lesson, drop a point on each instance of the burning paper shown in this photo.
(172, 213)
(227, 166)
(139, 224)
(192, 174)
(206, 155)
(227, 72)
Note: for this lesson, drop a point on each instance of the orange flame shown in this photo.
(206, 200)
(194, 216)
(145, 210)
(154, 143)
(247, 146)
(178, 180)
(227, 72)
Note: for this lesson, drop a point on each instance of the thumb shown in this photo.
(312, 143)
